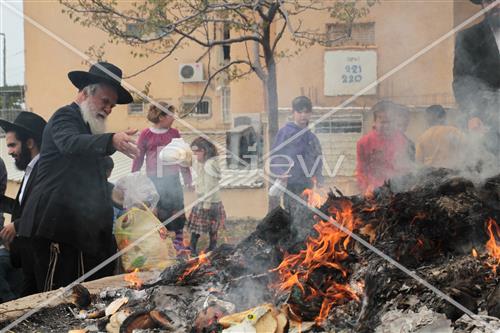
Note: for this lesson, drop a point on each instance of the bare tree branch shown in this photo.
(280, 33)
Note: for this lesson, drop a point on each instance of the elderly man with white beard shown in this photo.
(69, 213)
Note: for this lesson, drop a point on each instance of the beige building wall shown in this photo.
(402, 30)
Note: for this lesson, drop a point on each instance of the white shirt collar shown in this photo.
(159, 130)
(32, 163)
(496, 34)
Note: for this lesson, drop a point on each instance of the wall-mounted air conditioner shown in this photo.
(191, 72)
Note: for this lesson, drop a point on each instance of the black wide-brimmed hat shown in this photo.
(26, 122)
(102, 72)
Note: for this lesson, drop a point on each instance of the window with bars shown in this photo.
(339, 126)
(226, 104)
(201, 109)
(135, 108)
(362, 34)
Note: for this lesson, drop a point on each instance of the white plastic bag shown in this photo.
(177, 151)
(277, 188)
(135, 190)
(279, 184)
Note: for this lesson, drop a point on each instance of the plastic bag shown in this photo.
(279, 184)
(135, 190)
(152, 252)
(177, 151)
(278, 187)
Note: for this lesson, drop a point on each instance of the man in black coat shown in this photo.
(69, 212)
(23, 138)
(476, 74)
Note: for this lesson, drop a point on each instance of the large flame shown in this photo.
(134, 279)
(328, 250)
(195, 265)
(315, 196)
(492, 244)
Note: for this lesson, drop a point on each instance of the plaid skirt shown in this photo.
(206, 220)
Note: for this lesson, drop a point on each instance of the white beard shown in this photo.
(91, 116)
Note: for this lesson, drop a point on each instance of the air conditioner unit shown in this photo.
(191, 72)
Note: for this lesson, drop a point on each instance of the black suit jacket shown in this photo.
(476, 73)
(69, 203)
(12, 206)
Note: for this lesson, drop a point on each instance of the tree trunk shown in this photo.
(272, 102)
(271, 86)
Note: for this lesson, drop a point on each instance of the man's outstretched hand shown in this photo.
(125, 143)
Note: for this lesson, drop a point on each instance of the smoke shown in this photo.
(469, 150)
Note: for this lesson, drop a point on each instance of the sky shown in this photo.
(12, 25)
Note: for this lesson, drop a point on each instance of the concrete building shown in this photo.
(383, 47)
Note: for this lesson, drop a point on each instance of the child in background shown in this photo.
(165, 177)
(207, 215)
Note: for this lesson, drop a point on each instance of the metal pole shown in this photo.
(4, 59)
(4, 93)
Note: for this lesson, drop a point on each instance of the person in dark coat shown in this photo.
(69, 213)
(476, 73)
(298, 163)
(23, 138)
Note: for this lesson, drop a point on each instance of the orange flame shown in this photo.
(328, 249)
(314, 198)
(491, 245)
(133, 278)
(195, 265)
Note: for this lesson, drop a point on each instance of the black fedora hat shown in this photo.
(26, 122)
(102, 72)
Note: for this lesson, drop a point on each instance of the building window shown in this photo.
(202, 108)
(362, 34)
(226, 104)
(135, 108)
(339, 126)
(226, 48)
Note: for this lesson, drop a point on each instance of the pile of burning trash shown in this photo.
(422, 257)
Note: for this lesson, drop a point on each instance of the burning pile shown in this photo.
(315, 276)
(492, 245)
(323, 279)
